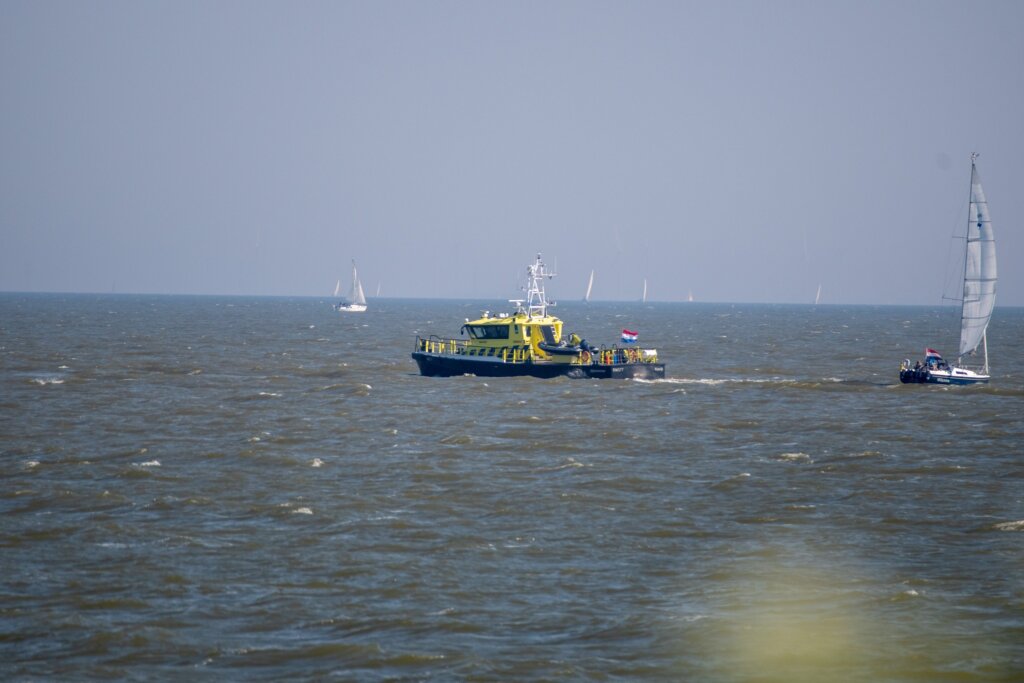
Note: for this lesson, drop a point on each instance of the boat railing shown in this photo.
(435, 344)
(621, 356)
(521, 354)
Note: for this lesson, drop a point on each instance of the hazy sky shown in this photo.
(747, 151)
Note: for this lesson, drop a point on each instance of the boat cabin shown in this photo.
(516, 336)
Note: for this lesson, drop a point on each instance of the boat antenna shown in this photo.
(536, 301)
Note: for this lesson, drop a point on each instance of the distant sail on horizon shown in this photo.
(590, 286)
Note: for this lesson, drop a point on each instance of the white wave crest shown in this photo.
(718, 381)
(1011, 526)
(794, 457)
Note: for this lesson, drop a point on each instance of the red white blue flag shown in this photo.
(932, 353)
(629, 336)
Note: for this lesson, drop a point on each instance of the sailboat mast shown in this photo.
(984, 346)
(967, 244)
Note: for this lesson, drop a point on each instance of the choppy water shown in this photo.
(261, 489)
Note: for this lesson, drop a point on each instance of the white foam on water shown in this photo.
(717, 381)
(794, 457)
(43, 381)
(317, 462)
(302, 511)
(31, 463)
(1011, 526)
(271, 394)
(570, 463)
(148, 463)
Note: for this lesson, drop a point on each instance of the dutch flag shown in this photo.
(932, 353)
(629, 336)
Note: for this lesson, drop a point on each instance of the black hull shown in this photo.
(435, 365)
(916, 377)
(957, 377)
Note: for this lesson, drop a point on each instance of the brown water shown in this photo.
(263, 489)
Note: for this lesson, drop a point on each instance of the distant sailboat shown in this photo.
(378, 289)
(690, 296)
(356, 299)
(979, 298)
(337, 289)
(817, 297)
(643, 298)
(590, 286)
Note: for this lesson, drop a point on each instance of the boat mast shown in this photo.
(967, 240)
(984, 345)
(536, 302)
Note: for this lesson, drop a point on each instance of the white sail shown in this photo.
(356, 295)
(817, 297)
(337, 288)
(979, 270)
(590, 286)
(644, 297)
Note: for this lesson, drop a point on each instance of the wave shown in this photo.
(794, 457)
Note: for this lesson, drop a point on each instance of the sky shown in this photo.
(741, 151)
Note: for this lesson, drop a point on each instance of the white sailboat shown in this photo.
(356, 299)
(590, 286)
(978, 300)
(337, 289)
(817, 297)
(643, 298)
(689, 297)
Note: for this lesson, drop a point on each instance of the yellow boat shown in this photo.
(530, 342)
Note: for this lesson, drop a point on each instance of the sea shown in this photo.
(263, 489)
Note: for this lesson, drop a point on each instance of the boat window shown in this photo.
(488, 331)
(549, 333)
(528, 330)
